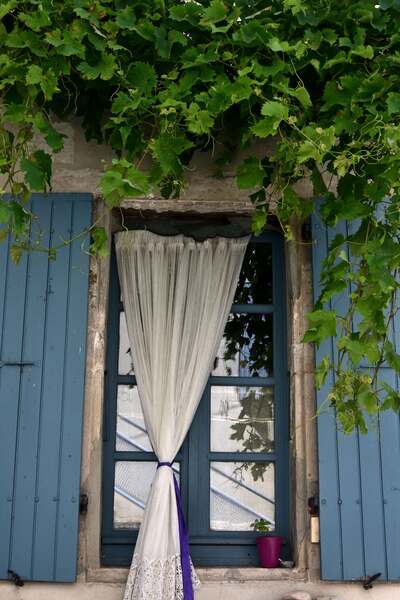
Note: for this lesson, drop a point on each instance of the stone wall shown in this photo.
(224, 590)
(78, 169)
(79, 166)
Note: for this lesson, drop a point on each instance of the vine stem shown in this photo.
(64, 243)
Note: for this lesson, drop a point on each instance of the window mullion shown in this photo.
(249, 309)
(110, 405)
(242, 381)
(199, 483)
(281, 393)
(243, 456)
(125, 379)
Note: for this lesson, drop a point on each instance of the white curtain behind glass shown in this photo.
(177, 294)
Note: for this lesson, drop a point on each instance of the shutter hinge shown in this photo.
(306, 231)
(83, 504)
(313, 507)
(15, 578)
(369, 580)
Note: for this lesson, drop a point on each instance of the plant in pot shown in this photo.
(269, 546)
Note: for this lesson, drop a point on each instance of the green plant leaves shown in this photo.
(142, 76)
(37, 170)
(199, 121)
(34, 75)
(167, 149)
(302, 95)
(215, 13)
(391, 356)
(322, 371)
(7, 7)
(322, 325)
(103, 69)
(250, 174)
(160, 81)
(5, 212)
(274, 113)
(393, 103)
(99, 243)
(259, 220)
(364, 51)
(295, 6)
(317, 144)
(126, 18)
(36, 20)
(16, 253)
(47, 80)
(20, 220)
(54, 138)
(275, 110)
(121, 181)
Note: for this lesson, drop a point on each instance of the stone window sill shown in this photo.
(208, 574)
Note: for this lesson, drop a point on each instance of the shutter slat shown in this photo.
(390, 449)
(372, 501)
(390, 452)
(6, 488)
(367, 469)
(52, 398)
(30, 393)
(67, 536)
(330, 522)
(11, 350)
(349, 468)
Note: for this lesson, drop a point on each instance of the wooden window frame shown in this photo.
(208, 548)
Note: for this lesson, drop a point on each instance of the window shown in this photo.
(233, 465)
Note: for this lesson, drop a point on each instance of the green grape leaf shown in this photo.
(99, 242)
(250, 174)
(142, 76)
(37, 170)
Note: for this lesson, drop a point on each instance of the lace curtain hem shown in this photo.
(156, 579)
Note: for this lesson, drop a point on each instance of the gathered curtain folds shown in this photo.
(177, 294)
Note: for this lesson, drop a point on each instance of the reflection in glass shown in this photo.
(240, 493)
(125, 365)
(242, 419)
(131, 430)
(246, 348)
(131, 489)
(255, 280)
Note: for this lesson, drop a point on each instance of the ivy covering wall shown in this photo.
(160, 80)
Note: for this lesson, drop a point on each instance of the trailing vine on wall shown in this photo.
(160, 80)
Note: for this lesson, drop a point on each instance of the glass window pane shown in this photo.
(240, 493)
(131, 430)
(125, 365)
(242, 419)
(246, 348)
(131, 490)
(255, 281)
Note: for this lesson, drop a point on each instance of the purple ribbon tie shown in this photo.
(183, 541)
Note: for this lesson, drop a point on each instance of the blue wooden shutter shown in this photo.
(43, 320)
(359, 475)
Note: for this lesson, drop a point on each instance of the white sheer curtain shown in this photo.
(177, 294)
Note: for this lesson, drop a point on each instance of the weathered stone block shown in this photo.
(297, 596)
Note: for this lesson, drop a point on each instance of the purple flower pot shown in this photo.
(269, 548)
